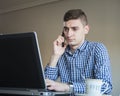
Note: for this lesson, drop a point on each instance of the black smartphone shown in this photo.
(63, 43)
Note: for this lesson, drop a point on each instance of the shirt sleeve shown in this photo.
(51, 72)
(79, 87)
(102, 67)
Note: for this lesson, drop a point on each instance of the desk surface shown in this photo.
(87, 95)
(52, 94)
(45, 95)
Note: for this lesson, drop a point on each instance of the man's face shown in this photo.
(75, 32)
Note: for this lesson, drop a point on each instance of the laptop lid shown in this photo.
(20, 62)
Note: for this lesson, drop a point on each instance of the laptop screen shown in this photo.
(20, 62)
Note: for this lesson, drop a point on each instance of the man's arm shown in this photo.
(58, 50)
(102, 67)
(51, 72)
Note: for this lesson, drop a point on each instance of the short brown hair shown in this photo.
(76, 14)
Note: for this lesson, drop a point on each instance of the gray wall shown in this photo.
(46, 20)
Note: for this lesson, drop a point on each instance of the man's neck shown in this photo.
(74, 47)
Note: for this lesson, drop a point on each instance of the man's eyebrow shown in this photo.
(75, 27)
(71, 27)
(66, 27)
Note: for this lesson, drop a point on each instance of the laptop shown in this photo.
(21, 69)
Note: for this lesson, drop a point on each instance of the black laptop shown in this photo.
(21, 69)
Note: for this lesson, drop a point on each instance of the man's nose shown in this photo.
(70, 32)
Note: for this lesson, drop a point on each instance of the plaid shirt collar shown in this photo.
(80, 48)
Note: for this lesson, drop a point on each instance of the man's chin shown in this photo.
(71, 44)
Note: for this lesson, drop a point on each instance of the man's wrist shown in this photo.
(53, 60)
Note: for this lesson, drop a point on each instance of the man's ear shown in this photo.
(87, 28)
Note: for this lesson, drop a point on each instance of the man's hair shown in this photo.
(76, 14)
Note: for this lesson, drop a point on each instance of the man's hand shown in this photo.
(58, 50)
(57, 86)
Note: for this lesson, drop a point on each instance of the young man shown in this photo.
(78, 59)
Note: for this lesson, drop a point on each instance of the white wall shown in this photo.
(46, 20)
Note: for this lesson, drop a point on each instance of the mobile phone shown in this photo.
(63, 43)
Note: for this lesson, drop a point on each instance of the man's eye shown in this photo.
(66, 29)
(74, 28)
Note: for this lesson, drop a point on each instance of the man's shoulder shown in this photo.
(94, 43)
(98, 46)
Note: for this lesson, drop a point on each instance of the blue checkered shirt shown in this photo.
(90, 60)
